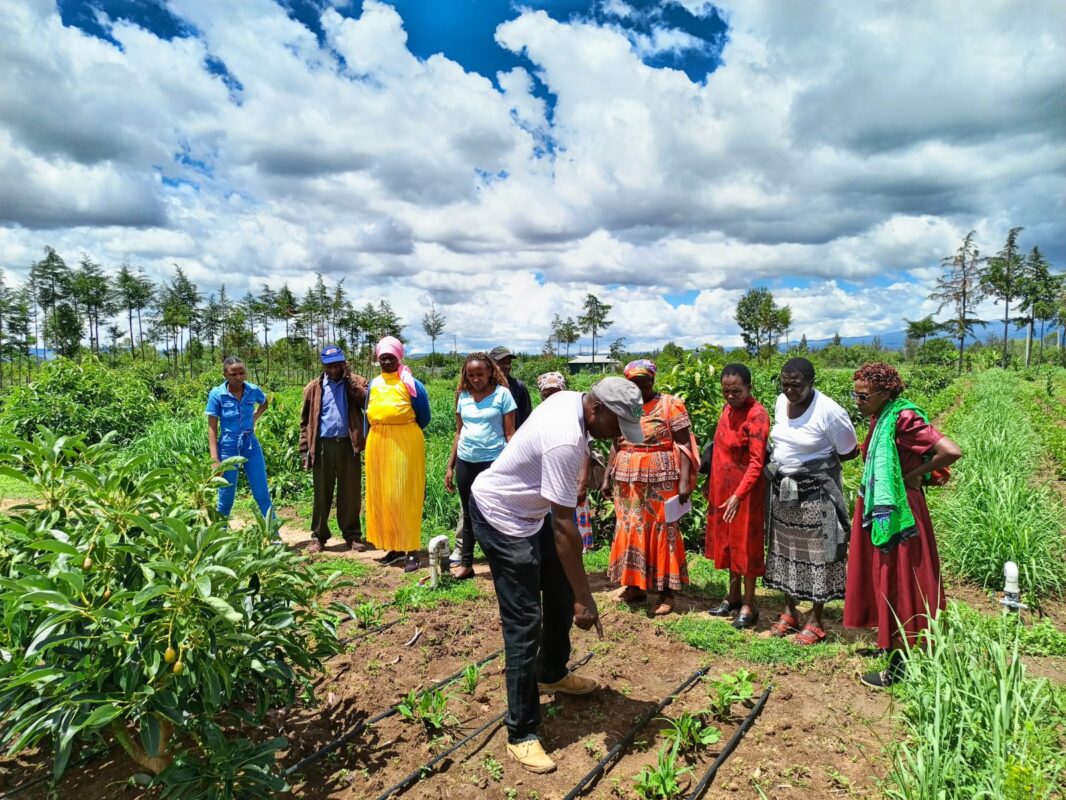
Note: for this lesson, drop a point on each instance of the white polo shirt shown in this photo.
(539, 466)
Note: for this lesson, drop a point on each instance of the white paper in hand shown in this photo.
(675, 509)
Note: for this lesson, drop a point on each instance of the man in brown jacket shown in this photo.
(331, 439)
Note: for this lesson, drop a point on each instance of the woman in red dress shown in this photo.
(894, 585)
(648, 553)
(736, 507)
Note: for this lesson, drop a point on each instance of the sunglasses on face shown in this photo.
(862, 397)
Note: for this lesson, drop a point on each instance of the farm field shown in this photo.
(820, 733)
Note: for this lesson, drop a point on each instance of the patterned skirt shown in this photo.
(795, 556)
(647, 552)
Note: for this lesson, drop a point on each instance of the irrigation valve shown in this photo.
(438, 553)
(1012, 593)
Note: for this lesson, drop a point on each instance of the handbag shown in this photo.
(691, 451)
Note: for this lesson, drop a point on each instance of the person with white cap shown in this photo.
(522, 513)
(331, 439)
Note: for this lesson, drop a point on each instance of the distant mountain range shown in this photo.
(895, 340)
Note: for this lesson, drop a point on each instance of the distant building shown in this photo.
(597, 364)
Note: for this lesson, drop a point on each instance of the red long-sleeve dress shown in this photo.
(736, 468)
(896, 592)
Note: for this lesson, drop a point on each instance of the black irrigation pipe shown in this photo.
(730, 746)
(344, 738)
(626, 740)
(416, 775)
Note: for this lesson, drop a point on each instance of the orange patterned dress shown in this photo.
(649, 553)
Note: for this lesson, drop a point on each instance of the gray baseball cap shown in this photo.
(499, 353)
(623, 398)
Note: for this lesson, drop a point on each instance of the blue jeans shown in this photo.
(537, 611)
(246, 446)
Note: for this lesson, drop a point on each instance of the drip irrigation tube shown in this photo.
(626, 740)
(730, 746)
(416, 775)
(344, 738)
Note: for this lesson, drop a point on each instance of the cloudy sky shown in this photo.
(501, 159)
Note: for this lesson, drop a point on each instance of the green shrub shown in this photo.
(132, 613)
(85, 399)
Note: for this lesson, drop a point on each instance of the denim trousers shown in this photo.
(246, 446)
(536, 610)
(465, 472)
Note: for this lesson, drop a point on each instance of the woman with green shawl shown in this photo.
(893, 569)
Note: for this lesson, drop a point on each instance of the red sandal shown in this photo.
(784, 625)
(811, 634)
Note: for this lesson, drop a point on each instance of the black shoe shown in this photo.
(742, 620)
(889, 676)
(726, 609)
(412, 564)
(390, 557)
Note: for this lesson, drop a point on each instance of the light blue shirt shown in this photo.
(482, 438)
(235, 417)
(333, 419)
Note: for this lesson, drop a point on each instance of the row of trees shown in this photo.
(594, 321)
(1025, 284)
(59, 307)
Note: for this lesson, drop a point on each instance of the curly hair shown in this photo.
(496, 374)
(883, 376)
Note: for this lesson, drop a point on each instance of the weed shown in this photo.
(838, 780)
(493, 767)
(415, 596)
(662, 782)
(471, 676)
(510, 793)
(689, 731)
(552, 711)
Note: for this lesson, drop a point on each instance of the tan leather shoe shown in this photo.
(531, 756)
(570, 684)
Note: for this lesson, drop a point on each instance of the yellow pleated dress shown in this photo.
(395, 474)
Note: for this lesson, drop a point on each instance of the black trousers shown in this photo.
(537, 611)
(465, 472)
(336, 468)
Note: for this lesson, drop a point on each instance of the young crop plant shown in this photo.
(733, 688)
(663, 782)
(690, 732)
(429, 707)
(471, 677)
(368, 614)
(493, 768)
(131, 613)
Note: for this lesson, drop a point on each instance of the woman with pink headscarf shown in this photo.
(397, 411)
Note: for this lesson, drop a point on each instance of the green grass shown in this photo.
(993, 510)
(1038, 639)
(450, 592)
(345, 566)
(720, 638)
(12, 489)
(977, 725)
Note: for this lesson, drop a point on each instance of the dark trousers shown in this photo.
(537, 611)
(336, 467)
(465, 472)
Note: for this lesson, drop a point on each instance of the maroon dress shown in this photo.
(905, 581)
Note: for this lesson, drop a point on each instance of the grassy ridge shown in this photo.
(994, 511)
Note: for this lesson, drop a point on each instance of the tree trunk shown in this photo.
(154, 764)
(140, 333)
(962, 346)
(1040, 357)
(1006, 322)
(1029, 343)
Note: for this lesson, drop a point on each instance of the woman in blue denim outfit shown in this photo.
(232, 409)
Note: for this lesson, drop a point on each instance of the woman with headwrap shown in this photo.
(397, 412)
(894, 570)
(648, 553)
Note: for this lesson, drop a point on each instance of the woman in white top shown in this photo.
(808, 524)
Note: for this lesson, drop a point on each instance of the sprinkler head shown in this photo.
(1012, 593)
